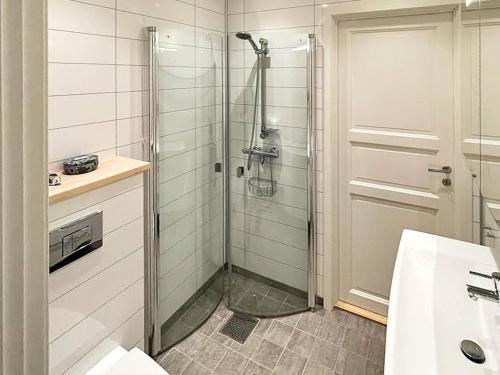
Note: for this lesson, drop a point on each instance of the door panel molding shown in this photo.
(395, 139)
(383, 138)
(402, 84)
(394, 194)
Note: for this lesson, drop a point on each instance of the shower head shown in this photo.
(243, 35)
(246, 36)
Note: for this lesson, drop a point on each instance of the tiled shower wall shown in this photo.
(270, 237)
(96, 105)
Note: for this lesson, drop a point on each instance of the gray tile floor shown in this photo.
(189, 321)
(247, 295)
(319, 343)
(261, 299)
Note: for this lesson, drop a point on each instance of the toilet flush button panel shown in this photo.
(74, 240)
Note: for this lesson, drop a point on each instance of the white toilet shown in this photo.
(123, 362)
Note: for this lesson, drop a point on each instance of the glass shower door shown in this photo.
(186, 128)
(271, 269)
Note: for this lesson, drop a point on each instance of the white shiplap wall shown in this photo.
(96, 104)
(97, 302)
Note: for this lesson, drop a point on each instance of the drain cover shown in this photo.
(239, 327)
(473, 351)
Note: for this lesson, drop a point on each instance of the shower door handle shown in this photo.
(240, 171)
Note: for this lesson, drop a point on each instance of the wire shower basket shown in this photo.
(263, 187)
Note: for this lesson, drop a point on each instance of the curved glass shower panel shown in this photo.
(269, 249)
(189, 92)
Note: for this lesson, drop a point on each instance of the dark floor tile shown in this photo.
(290, 309)
(296, 301)
(175, 333)
(210, 354)
(279, 333)
(320, 311)
(235, 294)
(249, 347)
(269, 306)
(192, 344)
(259, 287)
(374, 369)
(174, 362)
(241, 281)
(324, 354)
(194, 316)
(337, 316)
(356, 341)
(232, 364)
(217, 286)
(378, 331)
(250, 301)
(223, 339)
(277, 294)
(262, 327)
(290, 320)
(310, 322)
(332, 331)
(208, 300)
(349, 363)
(222, 311)
(211, 325)
(366, 326)
(254, 368)
(267, 354)
(196, 369)
(301, 343)
(290, 364)
(376, 351)
(313, 368)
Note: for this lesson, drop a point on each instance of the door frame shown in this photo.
(24, 265)
(333, 14)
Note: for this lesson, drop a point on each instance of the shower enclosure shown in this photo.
(230, 202)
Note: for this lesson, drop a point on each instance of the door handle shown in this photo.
(446, 170)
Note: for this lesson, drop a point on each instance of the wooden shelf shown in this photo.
(109, 171)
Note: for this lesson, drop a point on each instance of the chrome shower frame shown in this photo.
(311, 171)
(152, 322)
(152, 325)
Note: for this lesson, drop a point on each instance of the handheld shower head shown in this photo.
(246, 36)
(243, 35)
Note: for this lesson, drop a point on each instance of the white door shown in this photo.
(396, 121)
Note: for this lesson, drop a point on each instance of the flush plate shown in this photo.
(74, 240)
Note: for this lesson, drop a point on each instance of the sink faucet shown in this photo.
(489, 295)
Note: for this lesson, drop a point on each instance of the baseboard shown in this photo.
(362, 312)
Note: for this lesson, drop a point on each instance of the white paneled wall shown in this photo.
(97, 302)
(97, 63)
(271, 237)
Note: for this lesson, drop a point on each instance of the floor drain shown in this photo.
(239, 327)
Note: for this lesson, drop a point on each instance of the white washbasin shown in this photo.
(430, 311)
